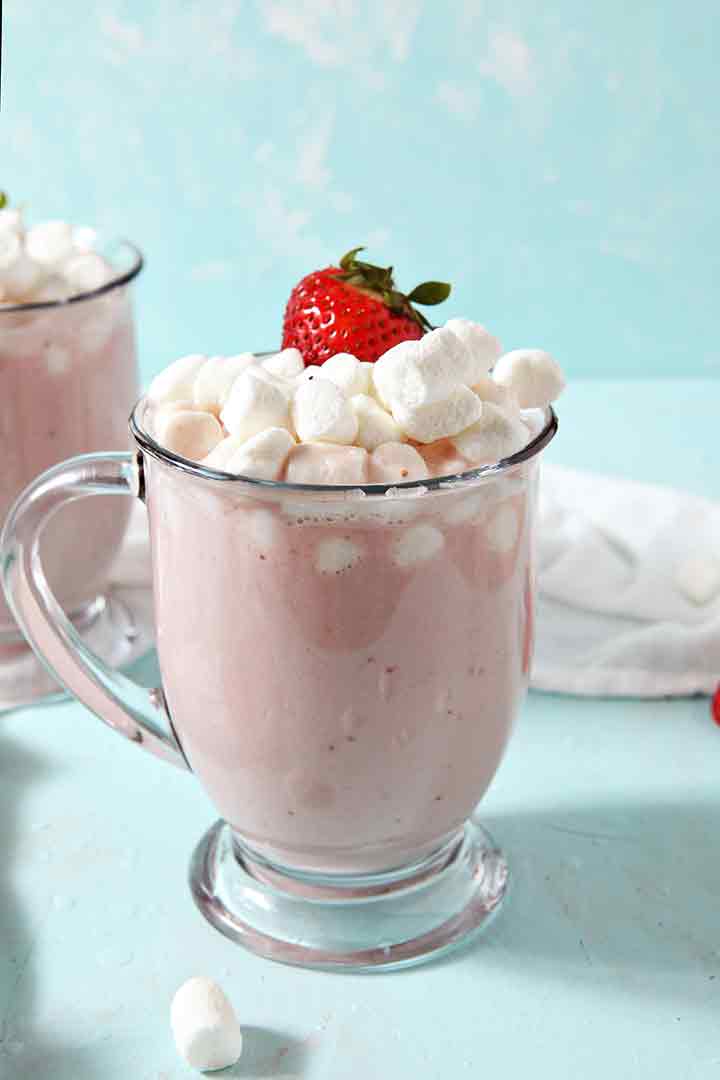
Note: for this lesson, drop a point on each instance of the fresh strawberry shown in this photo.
(715, 706)
(355, 308)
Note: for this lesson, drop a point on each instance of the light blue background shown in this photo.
(557, 162)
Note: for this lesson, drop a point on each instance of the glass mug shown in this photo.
(68, 379)
(341, 670)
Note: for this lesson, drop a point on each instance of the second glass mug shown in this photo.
(68, 378)
(341, 669)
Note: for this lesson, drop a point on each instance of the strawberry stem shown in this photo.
(3, 199)
(379, 281)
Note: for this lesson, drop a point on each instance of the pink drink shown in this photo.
(68, 379)
(343, 721)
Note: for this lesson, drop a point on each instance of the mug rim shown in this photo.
(148, 445)
(115, 282)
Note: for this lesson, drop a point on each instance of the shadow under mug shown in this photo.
(341, 669)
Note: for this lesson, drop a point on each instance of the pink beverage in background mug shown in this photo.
(68, 380)
(344, 635)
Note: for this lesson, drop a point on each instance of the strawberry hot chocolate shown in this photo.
(68, 379)
(401, 607)
(341, 536)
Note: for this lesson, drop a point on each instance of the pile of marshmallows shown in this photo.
(47, 262)
(350, 422)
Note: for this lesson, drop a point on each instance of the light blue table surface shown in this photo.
(604, 962)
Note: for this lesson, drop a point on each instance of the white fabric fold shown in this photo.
(612, 619)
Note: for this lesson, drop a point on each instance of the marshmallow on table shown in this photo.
(439, 419)
(532, 375)
(495, 435)
(206, 1030)
(322, 413)
(287, 364)
(215, 379)
(263, 457)
(482, 347)
(347, 372)
(50, 243)
(375, 426)
(176, 381)
(396, 463)
(256, 402)
(415, 373)
(326, 463)
(191, 434)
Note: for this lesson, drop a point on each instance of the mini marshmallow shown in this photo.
(442, 459)
(348, 374)
(496, 435)
(10, 248)
(221, 454)
(321, 413)
(467, 507)
(396, 463)
(375, 426)
(416, 373)
(190, 434)
(488, 390)
(255, 403)
(503, 529)
(262, 528)
(482, 347)
(262, 457)
(52, 289)
(326, 463)
(532, 375)
(206, 1030)
(21, 278)
(177, 380)
(287, 364)
(86, 272)
(285, 386)
(418, 544)
(336, 555)
(11, 219)
(215, 380)
(698, 578)
(84, 238)
(439, 419)
(50, 243)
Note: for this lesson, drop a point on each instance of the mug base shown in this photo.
(117, 627)
(356, 923)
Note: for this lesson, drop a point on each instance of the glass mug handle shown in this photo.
(134, 711)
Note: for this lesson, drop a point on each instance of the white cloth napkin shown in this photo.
(612, 618)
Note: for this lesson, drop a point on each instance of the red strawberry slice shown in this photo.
(355, 308)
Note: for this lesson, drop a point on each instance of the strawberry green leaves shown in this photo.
(379, 281)
(430, 292)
